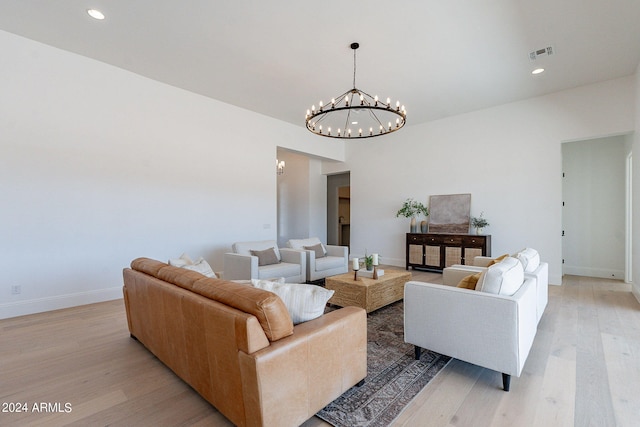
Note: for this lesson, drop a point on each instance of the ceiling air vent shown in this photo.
(547, 51)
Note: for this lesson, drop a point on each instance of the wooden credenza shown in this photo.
(431, 251)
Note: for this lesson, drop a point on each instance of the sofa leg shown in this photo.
(133, 336)
(506, 381)
(360, 383)
(417, 351)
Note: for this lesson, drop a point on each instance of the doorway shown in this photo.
(339, 209)
(594, 208)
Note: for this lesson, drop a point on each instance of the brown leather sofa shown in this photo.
(237, 347)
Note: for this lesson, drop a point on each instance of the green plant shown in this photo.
(368, 260)
(411, 208)
(479, 221)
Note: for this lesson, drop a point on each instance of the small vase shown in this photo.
(413, 227)
(423, 227)
(478, 230)
(369, 267)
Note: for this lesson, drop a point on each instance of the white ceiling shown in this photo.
(278, 57)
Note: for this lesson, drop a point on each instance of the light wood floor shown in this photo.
(583, 370)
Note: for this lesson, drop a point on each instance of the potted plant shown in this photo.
(479, 222)
(368, 261)
(410, 208)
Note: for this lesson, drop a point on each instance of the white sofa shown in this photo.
(492, 330)
(242, 264)
(532, 266)
(335, 259)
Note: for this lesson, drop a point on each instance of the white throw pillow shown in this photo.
(503, 278)
(202, 267)
(529, 258)
(304, 302)
(182, 261)
(258, 283)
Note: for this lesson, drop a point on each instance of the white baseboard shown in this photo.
(593, 272)
(57, 302)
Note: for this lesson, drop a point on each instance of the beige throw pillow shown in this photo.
(318, 249)
(266, 257)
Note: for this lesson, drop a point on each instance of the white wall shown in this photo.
(594, 210)
(99, 166)
(302, 198)
(507, 157)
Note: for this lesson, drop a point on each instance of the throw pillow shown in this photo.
(202, 267)
(182, 261)
(497, 260)
(257, 283)
(265, 257)
(318, 249)
(469, 282)
(529, 258)
(304, 302)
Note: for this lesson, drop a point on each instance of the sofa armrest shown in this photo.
(482, 261)
(451, 276)
(293, 256)
(339, 251)
(240, 267)
(488, 330)
(321, 360)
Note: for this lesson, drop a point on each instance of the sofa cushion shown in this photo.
(281, 269)
(529, 258)
(503, 278)
(318, 249)
(329, 262)
(469, 282)
(304, 302)
(265, 257)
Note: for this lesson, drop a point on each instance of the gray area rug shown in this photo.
(394, 376)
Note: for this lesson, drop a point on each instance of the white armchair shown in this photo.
(492, 330)
(532, 265)
(334, 260)
(264, 260)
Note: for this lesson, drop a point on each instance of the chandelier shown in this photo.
(355, 114)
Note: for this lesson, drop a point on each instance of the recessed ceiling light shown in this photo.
(537, 71)
(95, 14)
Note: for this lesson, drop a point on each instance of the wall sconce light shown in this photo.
(280, 167)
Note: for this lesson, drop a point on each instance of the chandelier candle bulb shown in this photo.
(345, 109)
